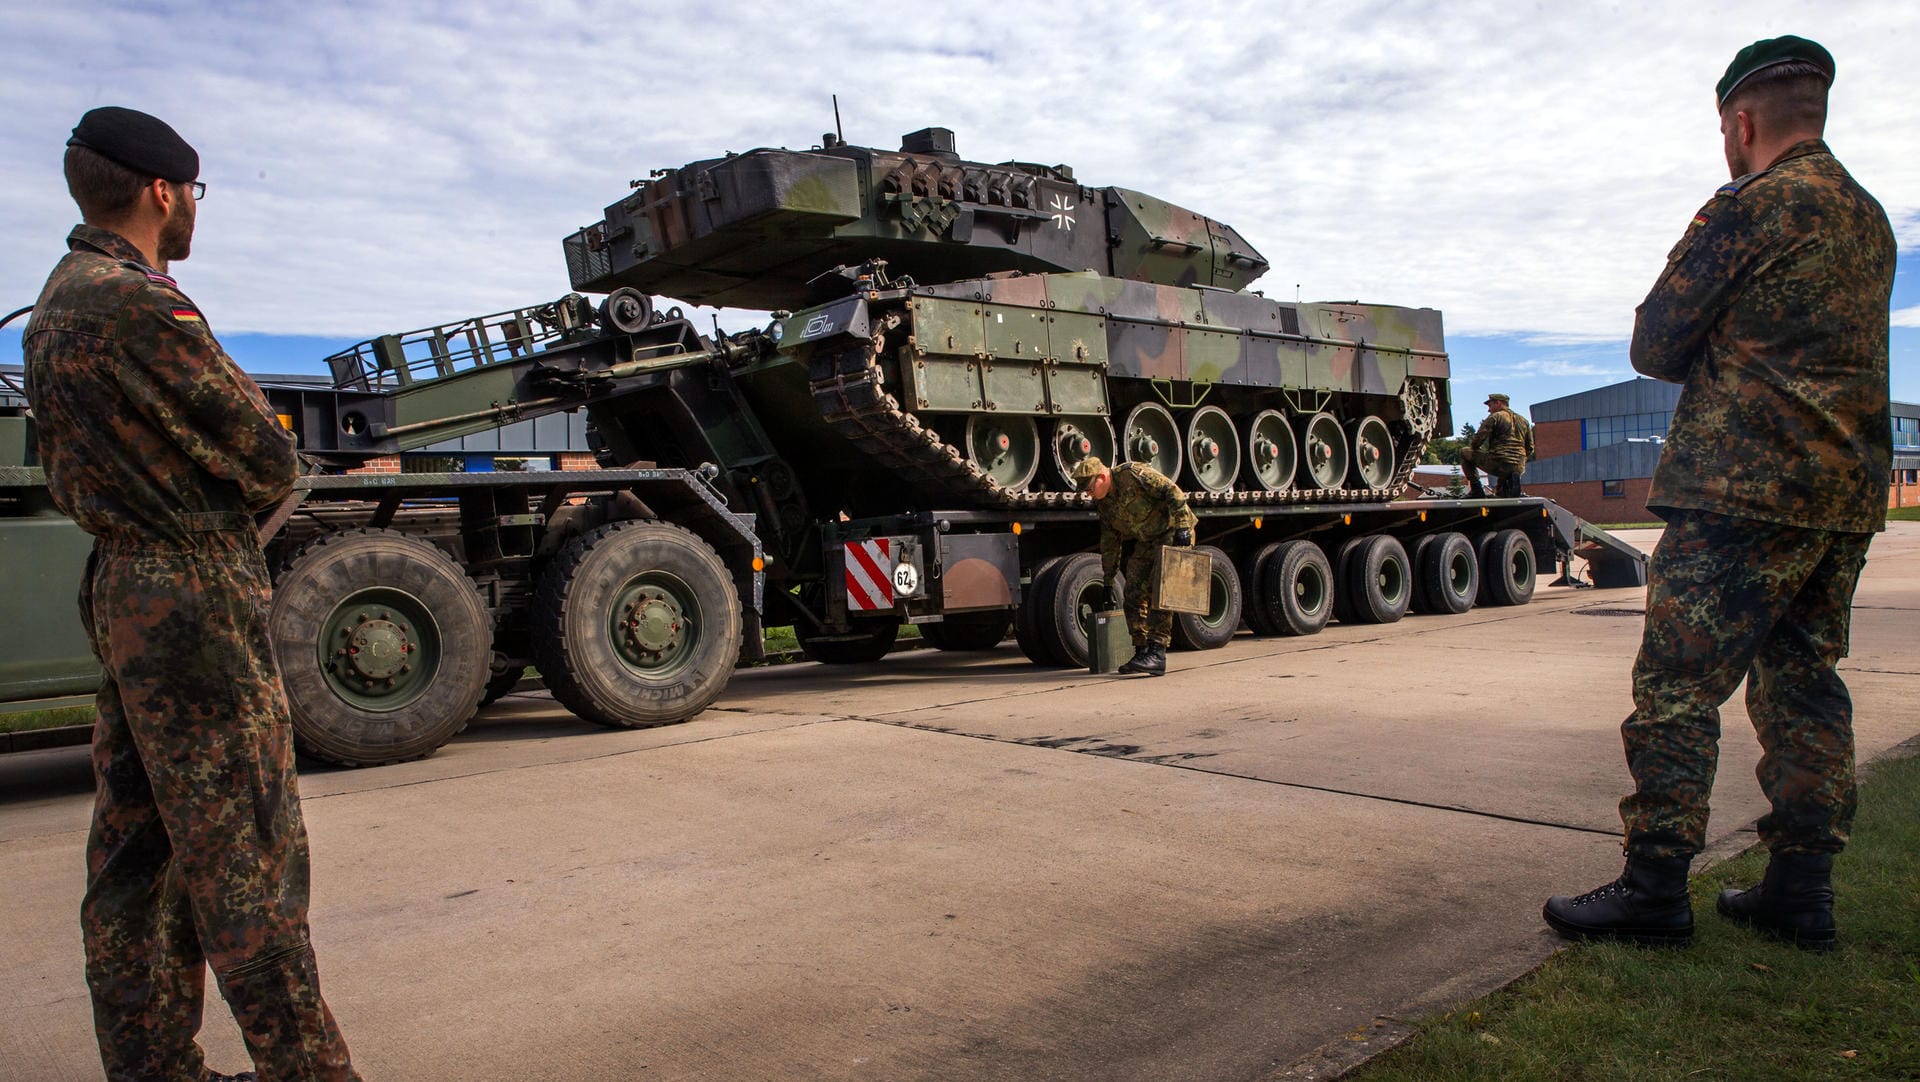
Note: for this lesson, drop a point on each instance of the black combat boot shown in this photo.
(1647, 905)
(1793, 902)
(1150, 660)
(1133, 663)
(243, 1076)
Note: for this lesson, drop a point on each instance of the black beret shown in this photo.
(142, 143)
(1765, 54)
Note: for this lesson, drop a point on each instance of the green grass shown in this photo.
(1903, 514)
(28, 720)
(1735, 1005)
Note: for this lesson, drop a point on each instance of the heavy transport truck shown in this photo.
(945, 340)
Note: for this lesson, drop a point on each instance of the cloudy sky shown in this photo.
(379, 167)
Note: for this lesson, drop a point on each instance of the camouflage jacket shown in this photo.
(148, 430)
(1507, 439)
(1143, 505)
(1772, 313)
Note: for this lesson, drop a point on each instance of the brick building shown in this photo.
(1598, 449)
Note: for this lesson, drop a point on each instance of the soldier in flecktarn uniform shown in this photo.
(1773, 315)
(160, 447)
(1139, 510)
(1502, 446)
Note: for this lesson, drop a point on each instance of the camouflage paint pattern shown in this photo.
(1502, 445)
(1773, 314)
(159, 446)
(1732, 598)
(1137, 516)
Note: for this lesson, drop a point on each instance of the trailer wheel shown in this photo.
(1341, 560)
(1253, 605)
(1221, 621)
(383, 646)
(1296, 588)
(1027, 618)
(1066, 620)
(636, 623)
(1449, 574)
(967, 631)
(1379, 582)
(1507, 568)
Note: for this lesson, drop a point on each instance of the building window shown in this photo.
(1613, 489)
(1906, 432)
(1601, 431)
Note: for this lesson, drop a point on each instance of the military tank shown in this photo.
(967, 332)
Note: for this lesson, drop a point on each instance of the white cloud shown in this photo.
(1907, 317)
(1522, 169)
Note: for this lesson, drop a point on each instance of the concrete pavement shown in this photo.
(949, 866)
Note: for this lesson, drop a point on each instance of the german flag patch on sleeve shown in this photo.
(187, 315)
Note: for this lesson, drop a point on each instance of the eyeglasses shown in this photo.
(198, 188)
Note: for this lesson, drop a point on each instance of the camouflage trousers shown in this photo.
(1139, 564)
(1729, 598)
(1506, 477)
(198, 853)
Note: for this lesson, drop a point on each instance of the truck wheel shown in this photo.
(383, 646)
(1028, 617)
(1417, 557)
(1296, 588)
(636, 623)
(1506, 566)
(1221, 621)
(1341, 560)
(1449, 574)
(967, 631)
(499, 684)
(1253, 606)
(1379, 582)
(867, 641)
(1066, 620)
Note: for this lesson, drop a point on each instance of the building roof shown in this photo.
(1614, 400)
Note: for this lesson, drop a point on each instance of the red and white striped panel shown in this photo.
(869, 575)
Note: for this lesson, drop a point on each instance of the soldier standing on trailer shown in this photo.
(1772, 313)
(1139, 510)
(1502, 446)
(160, 447)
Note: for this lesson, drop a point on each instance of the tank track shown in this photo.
(849, 389)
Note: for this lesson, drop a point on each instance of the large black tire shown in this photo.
(1417, 556)
(1449, 574)
(1072, 596)
(383, 645)
(1341, 559)
(1217, 627)
(1379, 583)
(968, 631)
(1296, 587)
(1253, 606)
(636, 623)
(501, 683)
(1507, 566)
(1027, 619)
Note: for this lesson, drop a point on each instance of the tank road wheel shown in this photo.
(1272, 456)
(1074, 438)
(1253, 607)
(384, 646)
(1326, 451)
(1006, 449)
(1213, 449)
(1151, 436)
(1379, 581)
(1449, 573)
(1373, 460)
(1066, 620)
(636, 623)
(1296, 588)
(967, 631)
(1507, 568)
(1033, 612)
(1221, 621)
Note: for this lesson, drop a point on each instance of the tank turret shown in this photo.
(754, 230)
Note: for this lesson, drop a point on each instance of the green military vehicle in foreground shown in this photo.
(946, 339)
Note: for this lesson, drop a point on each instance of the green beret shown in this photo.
(1498, 397)
(142, 143)
(1087, 469)
(1762, 55)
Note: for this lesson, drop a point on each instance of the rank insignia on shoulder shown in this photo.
(1732, 187)
(186, 315)
(152, 275)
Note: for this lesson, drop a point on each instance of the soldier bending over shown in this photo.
(1140, 510)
